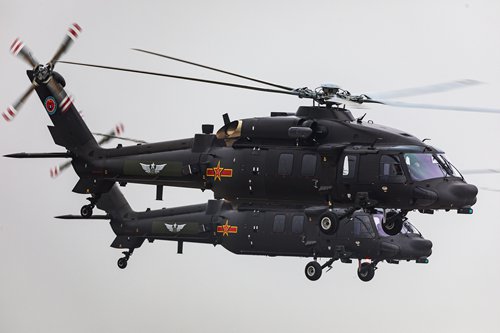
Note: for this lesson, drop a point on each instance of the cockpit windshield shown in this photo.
(409, 228)
(424, 166)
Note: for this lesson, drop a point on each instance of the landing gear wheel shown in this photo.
(313, 270)
(393, 224)
(366, 272)
(328, 223)
(86, 211)
(122, 262)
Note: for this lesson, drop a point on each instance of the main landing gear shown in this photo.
(393, 222)
(366, 270)
(87, 210)
(314, 269)
(122, 262)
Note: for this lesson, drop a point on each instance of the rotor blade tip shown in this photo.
(16, 46)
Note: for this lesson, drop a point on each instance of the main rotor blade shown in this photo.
(73, 32)
(107, 137)
(432, 106)
(479, 171)
(295, 93)
(19, 49)
(13, 110)
(216, 69)
(430, 89)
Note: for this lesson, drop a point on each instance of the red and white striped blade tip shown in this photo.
(10, 113)
(54, 172)
(74, 31)
(119, 129)
(16, 46)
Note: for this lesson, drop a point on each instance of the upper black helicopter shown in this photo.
(320, 157)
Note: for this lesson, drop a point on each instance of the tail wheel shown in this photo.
(122, 262)
(328, 223)
(313, 270)
(366, 272)
(86, 211)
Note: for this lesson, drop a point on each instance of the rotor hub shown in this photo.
(42, 73)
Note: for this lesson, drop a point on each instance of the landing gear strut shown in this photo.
(122, 262)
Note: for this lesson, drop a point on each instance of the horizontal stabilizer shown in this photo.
(79, 217)
(39, 155)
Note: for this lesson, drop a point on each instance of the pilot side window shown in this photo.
(363, 227)
(349, 166)
(308, 165)
(391, 170)
(285, 165)
(279, 223)
(298, 224)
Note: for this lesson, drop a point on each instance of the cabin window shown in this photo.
(349, 166)
(308, 165)
(391, 170)
(279, 223)
(363, 227)
(285, 165)
(298, 224)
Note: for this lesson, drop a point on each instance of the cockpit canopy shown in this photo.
(424, 166)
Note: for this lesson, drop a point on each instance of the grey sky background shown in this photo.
(60, 276)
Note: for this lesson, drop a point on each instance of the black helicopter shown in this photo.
(272, 231)
(318, 159)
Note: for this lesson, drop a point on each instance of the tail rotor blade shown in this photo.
(13, 110)
(19, 49)
(73, 32)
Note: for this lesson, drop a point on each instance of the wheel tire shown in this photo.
(393, 228)
(86, 211)
(366, 272)
(328, 223)
(122, 263)
(313, 270)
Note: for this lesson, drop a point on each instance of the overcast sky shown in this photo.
(61, 276)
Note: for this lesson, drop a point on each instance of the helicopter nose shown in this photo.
(422, 247)
(454, 195)
(415, 248)
(389, 250)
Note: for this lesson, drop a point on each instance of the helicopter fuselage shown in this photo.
(318, 156)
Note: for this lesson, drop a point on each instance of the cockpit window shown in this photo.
(429, 166)
(391, 170)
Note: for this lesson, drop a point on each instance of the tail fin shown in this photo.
(114, 203)
(69, 130)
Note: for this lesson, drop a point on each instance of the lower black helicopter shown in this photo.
(319, 159)
(272, 231)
